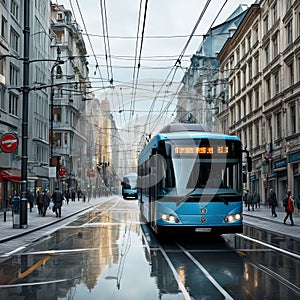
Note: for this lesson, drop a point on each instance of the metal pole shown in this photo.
(56, 65)
(23, 204)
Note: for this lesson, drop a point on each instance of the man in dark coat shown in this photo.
(272, 199)
(46, 202)
(57, 199)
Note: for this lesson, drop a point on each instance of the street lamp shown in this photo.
(56, 66)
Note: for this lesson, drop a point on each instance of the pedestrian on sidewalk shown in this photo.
(250, 200)
(256, 199)
(272, 199)
(30, 199)
(245, 198)
(46, 202)
(73, 195)
(57, 199)
(289, 208)
(39, 202)
(67, 195)
(79, 194)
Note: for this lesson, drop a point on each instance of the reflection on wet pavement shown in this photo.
(108, 254)
(98, 255)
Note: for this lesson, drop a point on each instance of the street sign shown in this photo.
(9, 142)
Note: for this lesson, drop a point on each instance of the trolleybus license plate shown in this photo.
(202, 229)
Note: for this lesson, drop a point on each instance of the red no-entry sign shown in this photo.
(9, 142)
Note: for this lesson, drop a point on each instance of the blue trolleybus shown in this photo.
(129, 186)
(191, 179)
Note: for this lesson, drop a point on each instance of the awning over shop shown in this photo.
(13, 175)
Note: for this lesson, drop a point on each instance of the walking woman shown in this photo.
(289, 208)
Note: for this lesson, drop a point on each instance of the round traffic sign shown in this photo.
(9, 142)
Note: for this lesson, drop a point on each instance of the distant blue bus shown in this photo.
(191, 179)
(129, 186)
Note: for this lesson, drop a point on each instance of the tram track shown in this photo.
(196, 256)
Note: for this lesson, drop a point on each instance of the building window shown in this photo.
(2, 98)
(14, 9)
(275, 12)
(255, 34)
(291, 77)
(249, 41)
(256, 59)
(13, 75)
(4, 28)
(14, 40)
(237, 54)
(298, 24)
(57, 139)
(276, 83)
(59, 37)
(270, 132)
(238, 79)
(257, 98)
(289, 32)
(244, 77)
(278, 125)
(57, 114)
(243, 49)
(257, 133)
(267, 54)
(275, 45)
(268, 88)
(231, 89)
(266, 24)
(239, 113)
(293, 118)
(288, 4)
(250, 102)
(250, 70)
(13, 102)
(250, 137)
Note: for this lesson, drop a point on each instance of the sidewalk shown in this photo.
(36, 221)
(260, 218)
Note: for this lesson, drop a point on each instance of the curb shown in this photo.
(9, 238)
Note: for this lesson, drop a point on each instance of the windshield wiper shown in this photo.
(186, 197)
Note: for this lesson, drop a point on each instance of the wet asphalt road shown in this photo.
(107, 253)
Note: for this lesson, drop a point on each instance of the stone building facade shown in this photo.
(261, 65)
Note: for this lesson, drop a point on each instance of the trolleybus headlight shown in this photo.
(169, 218)
(232, 218)
(164, 217)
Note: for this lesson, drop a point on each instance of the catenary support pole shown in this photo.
(23, 204)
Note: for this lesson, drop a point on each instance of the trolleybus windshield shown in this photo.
(195, 165)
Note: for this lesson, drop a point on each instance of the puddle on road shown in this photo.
(108, 260)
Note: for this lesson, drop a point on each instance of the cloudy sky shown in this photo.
(168, 26)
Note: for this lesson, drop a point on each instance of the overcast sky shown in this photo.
(168, 26)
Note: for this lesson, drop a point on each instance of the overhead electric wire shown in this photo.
(140, 52)
(90, 43)
(220, 10)
(178, 61)
(135, 54)
(106, 41)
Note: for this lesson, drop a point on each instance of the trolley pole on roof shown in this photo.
(23, 204)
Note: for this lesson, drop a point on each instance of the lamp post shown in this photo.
(23, 202)
(56, 66)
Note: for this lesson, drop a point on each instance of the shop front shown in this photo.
(294, 164)
(10, 184)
